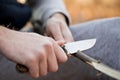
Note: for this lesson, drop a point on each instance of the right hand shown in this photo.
(38, 53)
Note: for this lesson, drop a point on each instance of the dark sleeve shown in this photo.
(14, 14)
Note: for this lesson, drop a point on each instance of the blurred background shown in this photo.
(85, 10)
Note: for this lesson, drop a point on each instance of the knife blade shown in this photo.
(71, 48)
(82, 45)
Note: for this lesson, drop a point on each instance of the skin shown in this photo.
(44, 52)
(57, 28)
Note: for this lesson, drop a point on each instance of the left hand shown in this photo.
(57, 28)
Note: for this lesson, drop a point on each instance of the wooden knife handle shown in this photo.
(21, 68)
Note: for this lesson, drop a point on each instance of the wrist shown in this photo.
(4, 33)
(59, 16)
(5, 36)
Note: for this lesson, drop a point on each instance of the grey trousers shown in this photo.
(107, 49)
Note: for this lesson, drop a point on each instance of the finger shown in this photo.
(66, 33)
(60, 54)
(43, 64)
(60, 42)
(33, 66)
(57, 33)
(51, 59)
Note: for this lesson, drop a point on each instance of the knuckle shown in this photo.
(42, 54)
(48, 45)
(31, 59)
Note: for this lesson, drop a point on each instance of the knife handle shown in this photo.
(21, 68)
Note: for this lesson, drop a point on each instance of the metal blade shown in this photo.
(106, 70)
(79, 45)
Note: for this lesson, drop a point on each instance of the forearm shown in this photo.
(3, 33)
(3, 36)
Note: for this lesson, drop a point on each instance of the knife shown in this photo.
(75, 48)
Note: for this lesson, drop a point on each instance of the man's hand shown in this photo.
(57, 28)
(38, 53)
